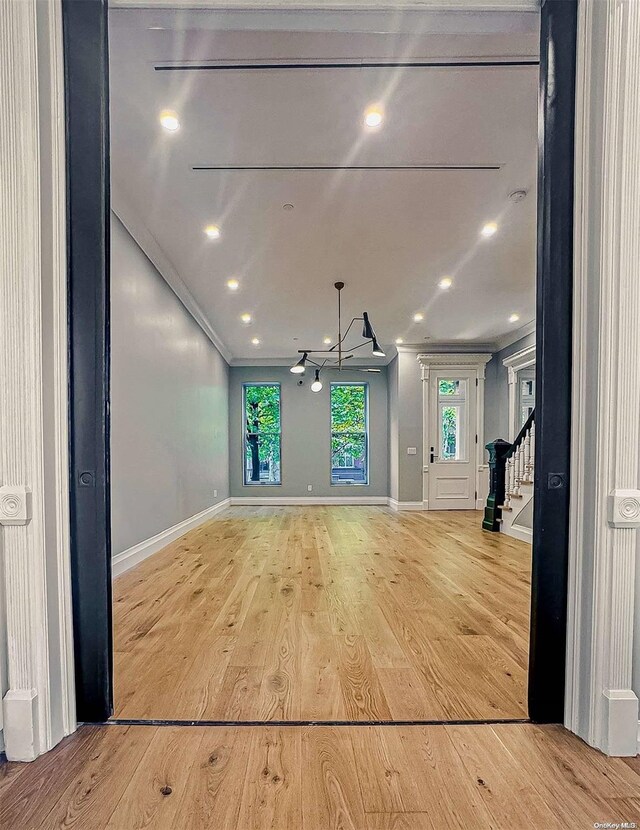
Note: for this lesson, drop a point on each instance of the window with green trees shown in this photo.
(349, 433)
(452, 415)
(262, 438)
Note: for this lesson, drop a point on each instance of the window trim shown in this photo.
(365, 386)
(244, 433)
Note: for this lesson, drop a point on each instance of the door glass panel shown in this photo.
(452, 419)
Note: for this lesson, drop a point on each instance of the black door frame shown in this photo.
(86, 88)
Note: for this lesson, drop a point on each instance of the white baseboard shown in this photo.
(620, 716)
(525, 534)
(133, 556)
(20, 724)
(406, 505)
(274, 501)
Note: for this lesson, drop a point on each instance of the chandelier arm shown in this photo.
(344, 336)
(360, 345)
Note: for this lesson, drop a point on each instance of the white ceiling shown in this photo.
(390, 235)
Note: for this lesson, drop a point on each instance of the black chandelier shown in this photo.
(334, 357)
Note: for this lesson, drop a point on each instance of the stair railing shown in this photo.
(510, 466)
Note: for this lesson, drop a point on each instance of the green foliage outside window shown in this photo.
(449, 415)
(449, 387)
(349, 432)
(262, 433)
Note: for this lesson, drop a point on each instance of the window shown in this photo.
(527, 395)
(262, 440)
(349, 433)
(452, 414)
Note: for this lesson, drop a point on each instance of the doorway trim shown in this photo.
(455, 362)
(602, 680)
(554, 290)
(524, 359)
(559, 33)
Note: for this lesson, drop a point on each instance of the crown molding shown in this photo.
(513, 336)
(520, 360)
(446, 348)
(154, 253)
(289, 361)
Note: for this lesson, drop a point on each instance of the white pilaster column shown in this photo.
(37, 706)
(600, 704)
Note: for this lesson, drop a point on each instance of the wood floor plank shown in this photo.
(576, 785)
(326, 612)
(32, 789)
(399, 821)
(320, 778)
(361, 689)
(214, 790)
(272, 795)
(503, 785)
(332, 799)
(94, 794)
(152, 798)
(388, 782)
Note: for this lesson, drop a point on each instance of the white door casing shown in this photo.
(601, 705)
(448, 488)
(38, 706)
(515, 363)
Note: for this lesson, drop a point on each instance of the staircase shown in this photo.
(511, 472)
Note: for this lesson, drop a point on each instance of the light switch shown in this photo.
(412, 451)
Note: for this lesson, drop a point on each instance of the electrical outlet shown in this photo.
(215, 494)
(412, 450)
(309, 487)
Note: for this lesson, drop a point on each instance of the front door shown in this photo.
(451, 459)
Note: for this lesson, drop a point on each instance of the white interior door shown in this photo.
(451, 459)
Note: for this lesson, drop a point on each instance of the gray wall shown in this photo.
(405, 421)
(306, 425)
(394, 430)
(496, 391)
(169, 403)
(409, 427)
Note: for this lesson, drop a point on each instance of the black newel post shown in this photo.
(498, 450)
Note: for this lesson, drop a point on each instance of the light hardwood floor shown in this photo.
(326, 613)
(502, 777)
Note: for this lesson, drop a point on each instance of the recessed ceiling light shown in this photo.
(256, 341)
(445, 282)
(418, 317)
(327, 341)
(233, 284)
(514, 318)
(212, 231)
(489, 229)
(399, 341)
(287, 206)
(246, 318)
(169, 120)
(373, 117)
